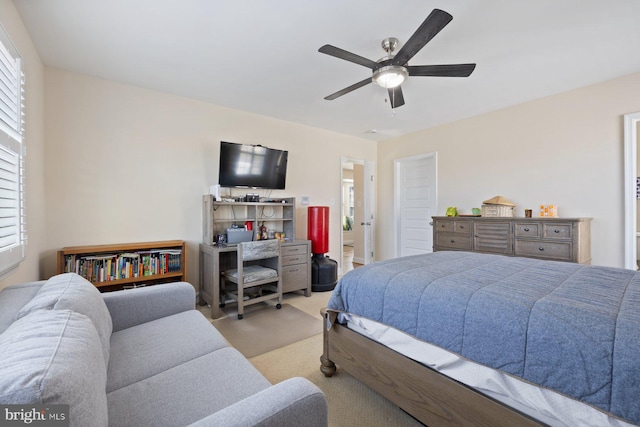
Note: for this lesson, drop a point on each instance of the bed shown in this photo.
(459, 338)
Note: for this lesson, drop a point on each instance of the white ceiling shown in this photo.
(262, 56)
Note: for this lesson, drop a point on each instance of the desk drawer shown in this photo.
(295, 277)
(303, 258)
(294, 250)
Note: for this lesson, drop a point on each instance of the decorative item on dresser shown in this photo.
(559, 239)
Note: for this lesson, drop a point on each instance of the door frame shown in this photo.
(397, 165)
(631, 121)
(368, 201)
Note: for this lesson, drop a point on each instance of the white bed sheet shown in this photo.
(543, 404)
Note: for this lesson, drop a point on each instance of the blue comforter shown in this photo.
(568, 327)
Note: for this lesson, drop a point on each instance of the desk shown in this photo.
(295, 263)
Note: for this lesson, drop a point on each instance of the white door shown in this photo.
(369, 224)
(415, 203)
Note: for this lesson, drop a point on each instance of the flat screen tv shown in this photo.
(252, 166)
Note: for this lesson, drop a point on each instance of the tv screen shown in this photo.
(252, 166)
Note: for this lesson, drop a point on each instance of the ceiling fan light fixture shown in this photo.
(390, 76)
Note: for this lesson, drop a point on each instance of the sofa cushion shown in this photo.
(12, 298)
(55, 357)
(187, 392)
(145, 350)
(70, 291)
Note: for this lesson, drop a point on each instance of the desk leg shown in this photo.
(215, 299)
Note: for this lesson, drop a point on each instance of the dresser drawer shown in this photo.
(556, 231)
(453, 241)
(462, 227)
(527, 229)
(561, 251)
(445, 226)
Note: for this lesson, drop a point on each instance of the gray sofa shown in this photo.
(141, 357)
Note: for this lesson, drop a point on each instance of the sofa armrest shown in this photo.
(292, 403)
(132, 307)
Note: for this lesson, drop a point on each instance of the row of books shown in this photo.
(108, 267)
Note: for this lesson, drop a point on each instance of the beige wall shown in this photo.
(565, 149)
(30, 269)
(127, 164)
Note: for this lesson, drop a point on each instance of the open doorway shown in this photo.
(356, 214)
(631, 151)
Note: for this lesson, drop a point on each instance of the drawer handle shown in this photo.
(295, 259)
(294, 271)
(541, 249)
(556, 231)
(442, 226)
(453, 241)
(462, 226)
(526, 229)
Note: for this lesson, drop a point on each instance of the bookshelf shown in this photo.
(112, 267)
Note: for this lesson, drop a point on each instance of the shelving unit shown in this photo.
(217, 216)
(111, 267)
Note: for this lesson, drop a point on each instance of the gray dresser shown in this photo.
(560, 239)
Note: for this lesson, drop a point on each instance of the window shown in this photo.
(13, 235)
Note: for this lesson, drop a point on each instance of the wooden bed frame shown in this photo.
(429, 396)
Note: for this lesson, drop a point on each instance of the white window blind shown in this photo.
(12, 210)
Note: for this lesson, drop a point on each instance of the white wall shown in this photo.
(126, 164)
(565, 149)
(30, 269)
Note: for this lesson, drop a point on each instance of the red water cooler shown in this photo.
(324, 270)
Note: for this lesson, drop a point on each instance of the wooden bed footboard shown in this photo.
(429, 396)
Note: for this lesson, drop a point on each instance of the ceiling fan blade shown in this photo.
(451, 70)
(435, 22)
(395, 97)
(346, 90)
(348, 56)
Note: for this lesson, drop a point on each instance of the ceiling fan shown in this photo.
(391, 70)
